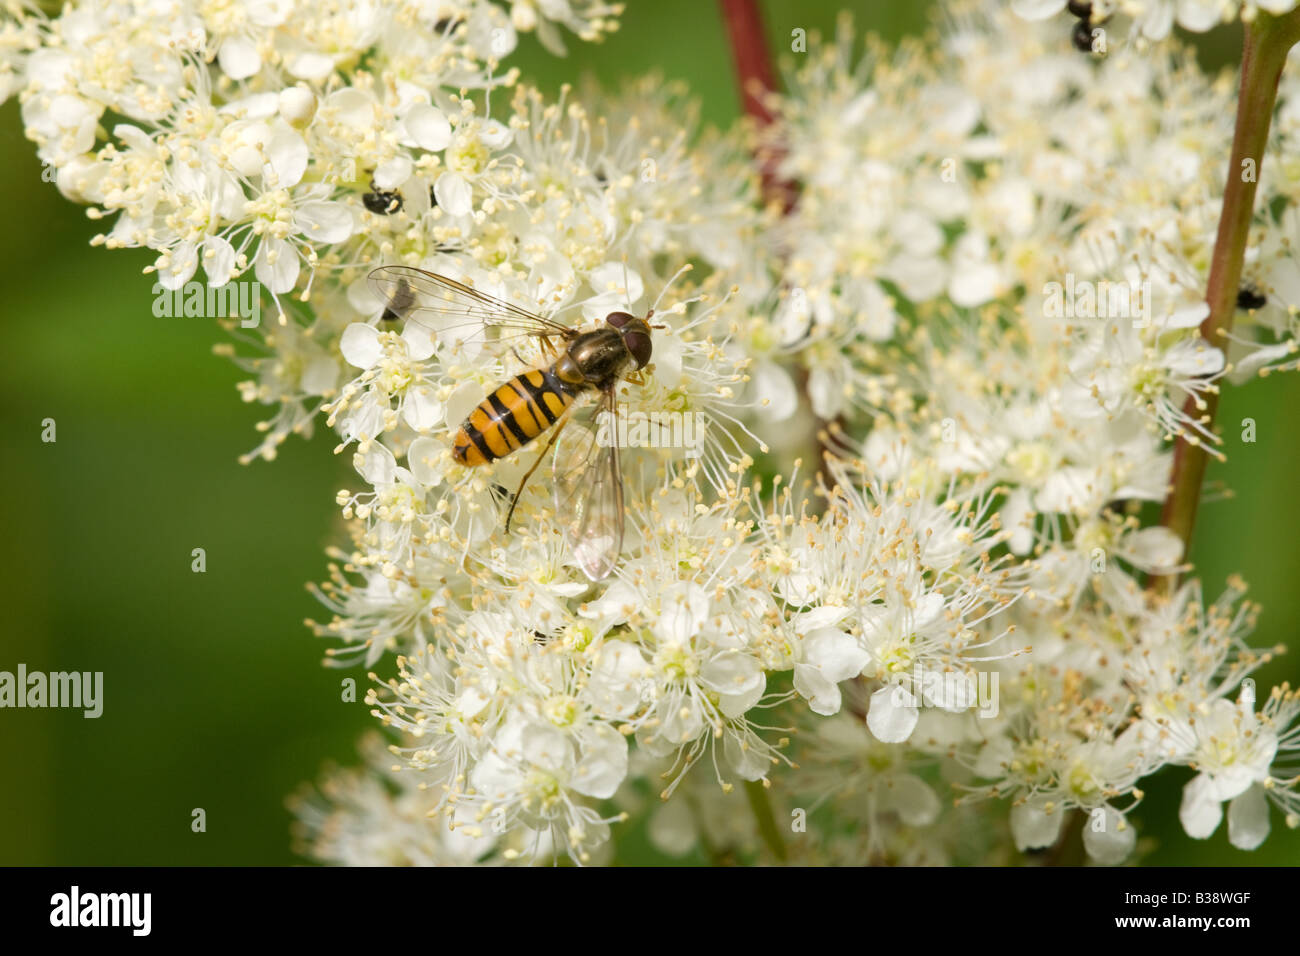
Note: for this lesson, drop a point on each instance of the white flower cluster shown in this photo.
(994, 274)
(1153, 20)
(989, 287)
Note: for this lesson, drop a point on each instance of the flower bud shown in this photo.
(523, 16)
(297, 106)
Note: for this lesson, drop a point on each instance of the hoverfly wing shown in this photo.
(588, 483)
(454, 312)
(397, 294)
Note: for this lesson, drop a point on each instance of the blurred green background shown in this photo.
(214, 694)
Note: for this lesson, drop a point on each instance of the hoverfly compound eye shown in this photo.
(638, 343)
(619, 319)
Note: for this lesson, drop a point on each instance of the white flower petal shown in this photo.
(453, 194)
(495, 135)
(422, 410)
(734, 705)
(426, 459)
(1200, 812)
(548, 747)
(419, 341)
(320, 376)
(836, 654)
(823, 696)
(672, 828)
(1188, 317)
(1032, 827)
(313, 67)
(749, 763)
(893, 714)
(828, 615)
(603, 763)
(286, 155)
(238, 58)
(1155, 548)
(1248, 819)
(268, 13)
(324, 222)
(393, 173)
(974, 284)
(614, 279)
(732, 672)
(183, 261)
(1200, 15)
(1108, 838)
(277, 265)
(427, 127)
(777, 390)
(916, 804)
(1194, 357)
(463, 400)
(682, 611)
(360, 345)
(218, 260)
(377, 465)
(615, 687)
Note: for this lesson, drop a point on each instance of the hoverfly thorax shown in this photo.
(599, 357)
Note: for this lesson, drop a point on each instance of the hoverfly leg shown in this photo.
(548, 347)
(523, 483)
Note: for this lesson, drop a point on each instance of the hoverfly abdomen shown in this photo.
(511, 417)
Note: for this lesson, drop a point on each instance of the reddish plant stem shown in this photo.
(754, 67)
(1267, 41)
(756, 77)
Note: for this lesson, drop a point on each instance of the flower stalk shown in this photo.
(756, 78)
(767, 828)
(1268, 39)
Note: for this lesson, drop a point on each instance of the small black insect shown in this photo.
(1080, 9)
(1248, 298)
(1082, 36)
(382, 203)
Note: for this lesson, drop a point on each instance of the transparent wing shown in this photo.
(454, 312)
(588, 485)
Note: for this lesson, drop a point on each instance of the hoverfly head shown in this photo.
(636, 335)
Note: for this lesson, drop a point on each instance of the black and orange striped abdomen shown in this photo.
(511, 417)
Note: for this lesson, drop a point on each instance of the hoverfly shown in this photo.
(588, 483)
